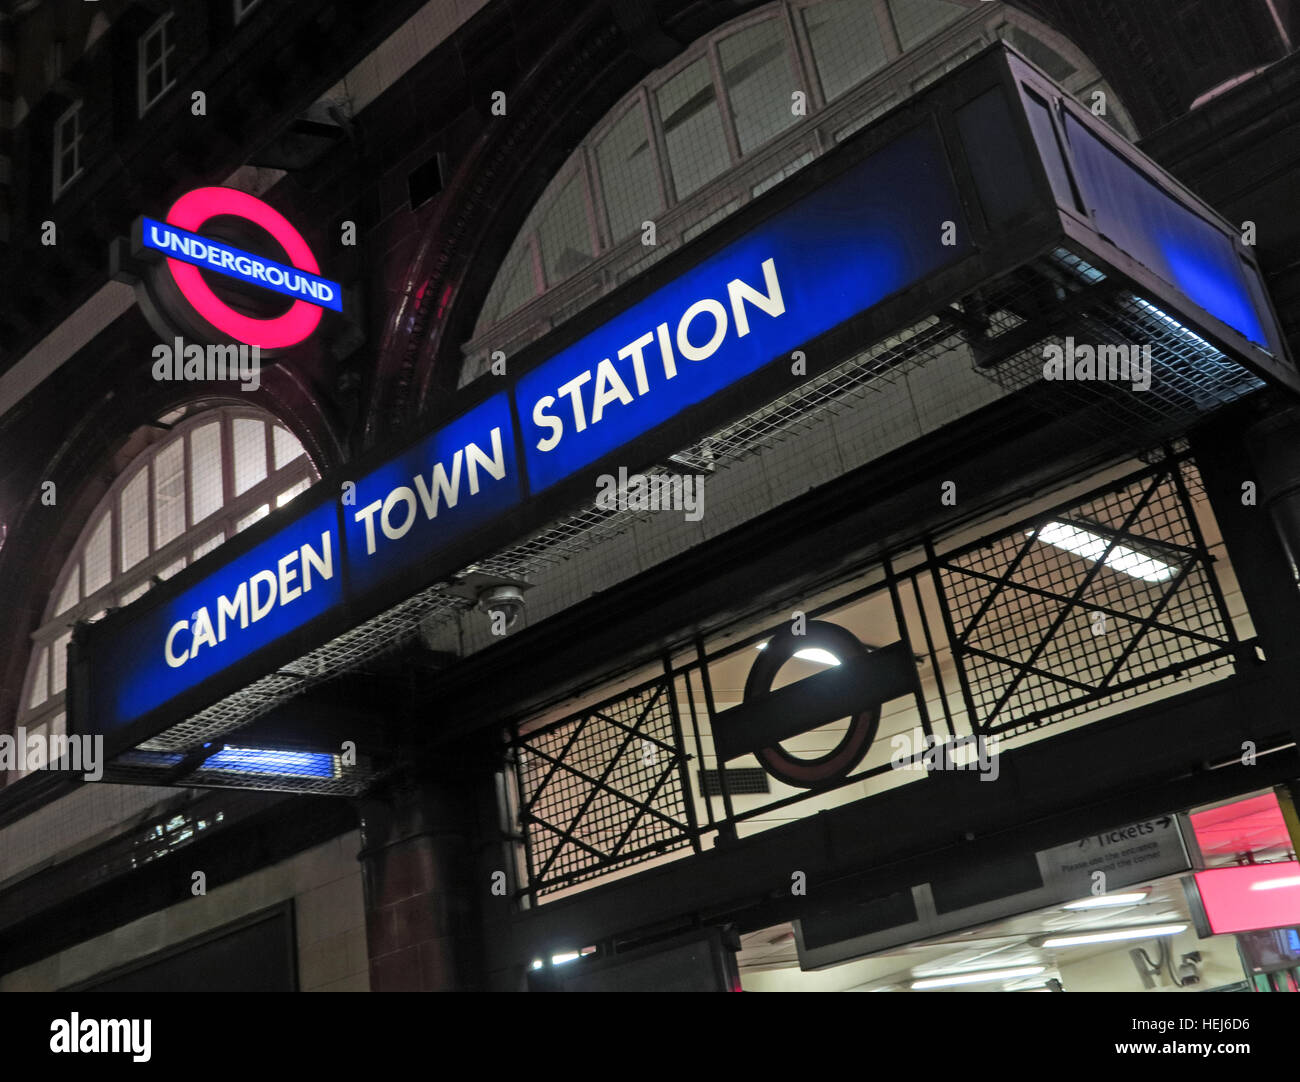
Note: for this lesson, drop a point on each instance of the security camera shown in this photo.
(507, 600)
(1189, 971)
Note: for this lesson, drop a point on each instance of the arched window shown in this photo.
(736, 113)
(201, 481)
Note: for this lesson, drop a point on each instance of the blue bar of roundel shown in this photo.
(131, 674)
(869, 233)
(149, 225)
(425, 536)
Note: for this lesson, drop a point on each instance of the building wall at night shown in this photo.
(323, 884)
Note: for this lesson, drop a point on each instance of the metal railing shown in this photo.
(1073, 611)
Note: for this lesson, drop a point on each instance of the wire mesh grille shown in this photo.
(602, 789)
(801, 409)
(1188, 377)
(1112, 598)
(377, 636)
(1067, 613)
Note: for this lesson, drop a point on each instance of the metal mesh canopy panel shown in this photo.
(1187, 377)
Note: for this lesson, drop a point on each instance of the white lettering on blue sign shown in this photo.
(397, 510)
(213, 255)
(251, 601)
(698, 335)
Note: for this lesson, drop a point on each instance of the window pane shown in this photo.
(627, 174)
(169, 493)
(289, 493)
(99, 556)
(248, 520)
(515, 285)
(759, 80)
(171, 569)
(697, 145)
(71, 591)
(35, 758)
(565, 233)
(250, 453)
(38, 693)
(205, 470)
(153, 48)
(286, 446)
(134, 518)
(846, 45)
(207, 546)
(59, 663)
(916, 20)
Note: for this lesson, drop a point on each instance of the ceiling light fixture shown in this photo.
(1090, 546)
(1104, 901)
(978, 976)
(1150, 931)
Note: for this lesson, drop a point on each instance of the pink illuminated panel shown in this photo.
(1252, 827)
(1252, 896)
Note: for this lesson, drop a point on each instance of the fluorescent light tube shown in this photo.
(978, 976)
(1104, 900)
(1085, 938)
(1090, 546)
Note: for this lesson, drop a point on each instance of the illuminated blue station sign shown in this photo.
(890, 224)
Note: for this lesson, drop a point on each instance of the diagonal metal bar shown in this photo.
(1203, 554)
(564, 837)
(1119, 614)
(1001, 581)
(577, 729)
(600, 784)
(1079, 590)
(664, 775)
(1038, 716)
(1025, 669)
(1175, 584)
(633, 730)
(1139, 541)
(604, 787)
(945, 612)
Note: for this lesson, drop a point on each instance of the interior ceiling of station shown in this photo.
(999, 945)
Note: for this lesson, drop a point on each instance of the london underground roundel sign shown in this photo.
(177, 295)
